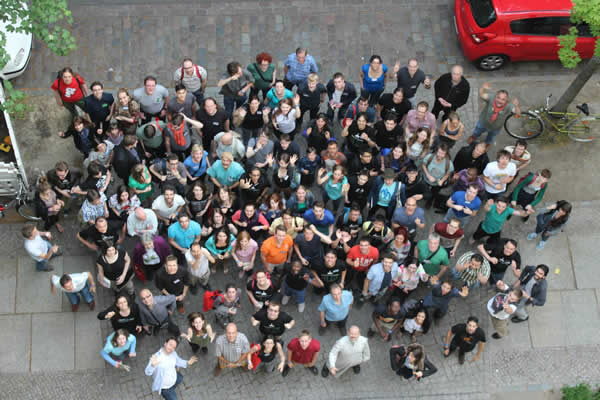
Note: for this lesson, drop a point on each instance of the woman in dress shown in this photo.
(140, 181)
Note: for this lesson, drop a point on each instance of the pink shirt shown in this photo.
(413, 123)
(246, 255)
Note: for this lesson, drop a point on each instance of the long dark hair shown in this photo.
(566, 207)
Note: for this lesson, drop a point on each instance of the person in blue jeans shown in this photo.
(75, 285)
(119, 344)
(39, 248)
(493, 115)
(163, 367)
(297, 278)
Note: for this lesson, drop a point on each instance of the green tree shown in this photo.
(584, 12)
(48, 20)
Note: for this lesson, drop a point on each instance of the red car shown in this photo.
(493, 32)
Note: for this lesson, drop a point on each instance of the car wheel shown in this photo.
(491, 62)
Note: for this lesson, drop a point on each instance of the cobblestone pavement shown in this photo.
(119, 42)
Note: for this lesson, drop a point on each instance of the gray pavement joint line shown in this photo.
(30, 340)
(16, 283)
(572, 262)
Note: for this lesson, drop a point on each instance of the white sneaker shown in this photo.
(285, 300)
(301, 307)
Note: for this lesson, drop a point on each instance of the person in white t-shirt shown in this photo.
(75, 285)
(39, 248)
(501, 307)
(498, 174)
(167, 206)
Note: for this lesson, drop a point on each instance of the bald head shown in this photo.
(231, 332)
(227, 139)
(456, 73)
(140, 214)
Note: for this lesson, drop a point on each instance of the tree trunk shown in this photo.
(578, 83)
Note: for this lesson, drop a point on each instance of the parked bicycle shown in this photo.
(12, 185)
(580, 126)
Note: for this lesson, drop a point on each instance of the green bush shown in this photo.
(582, 391)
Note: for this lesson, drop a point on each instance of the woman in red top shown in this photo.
(69, 90)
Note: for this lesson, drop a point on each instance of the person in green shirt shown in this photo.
(530, 191)
(432, 256)
(264, 74)
(497, 213)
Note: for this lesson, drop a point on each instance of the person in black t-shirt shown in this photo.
(331, 271)
(351, 219)
(297, 278)
(414, 187)
(93, 236)
(388, 133)
(365, 160)
(396, 103)
(307, 247)
(387, 319)
(473, 155)
(98, 178)
(174, 280)
(360, 187)
(312, 94)
(272, 321)
(261, 290)
(250, 118)
(466, 337)
(63, 179)
(501, 254)
(253, 187)
(214, 119)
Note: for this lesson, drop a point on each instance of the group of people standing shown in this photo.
(329, 207)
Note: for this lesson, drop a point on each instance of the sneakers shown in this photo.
(74, 307)
(541, 245)
(325, 371)
(370, 333)
(495, 335)
(531, 236)
(286, 371)
(301, 307)
(314, 370)
(356, 369)
(516, 319)
(285, 300)
(92, 305)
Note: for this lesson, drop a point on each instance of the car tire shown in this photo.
(491, 62)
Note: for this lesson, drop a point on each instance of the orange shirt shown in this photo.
(276, 254)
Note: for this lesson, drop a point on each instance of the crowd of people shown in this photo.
(292, 202)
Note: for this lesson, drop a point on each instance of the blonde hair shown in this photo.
(226, 156)
(312, 78)
(197, 147)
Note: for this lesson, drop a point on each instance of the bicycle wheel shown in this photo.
(584, 129)
(27, 211)
(525, 126)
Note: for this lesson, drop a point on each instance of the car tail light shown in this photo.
(482, 37)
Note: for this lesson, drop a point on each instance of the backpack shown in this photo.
(195, 69)
(532, 179)
(353, 116)
(209, 299)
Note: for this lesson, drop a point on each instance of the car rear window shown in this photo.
(483, 12)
